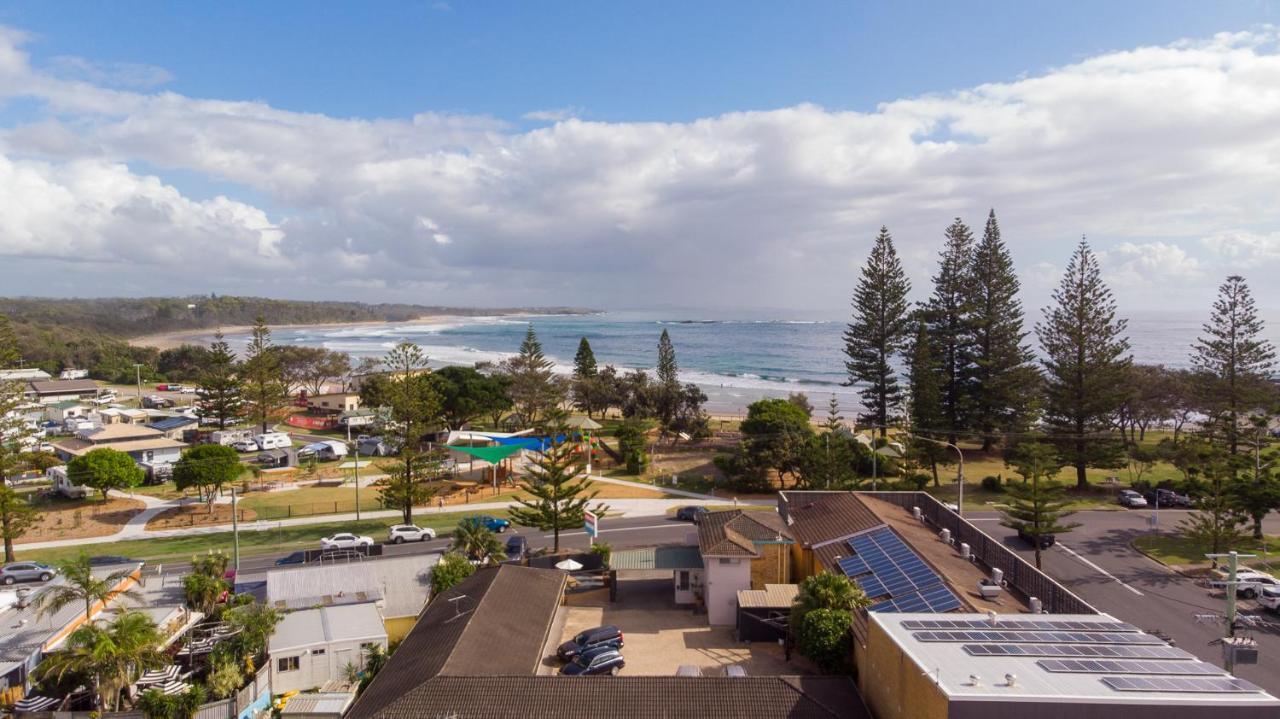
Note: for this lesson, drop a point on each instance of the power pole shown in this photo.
(235, 532)
(137, 373)
(1233, 563)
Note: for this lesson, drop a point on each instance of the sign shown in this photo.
(591, 523)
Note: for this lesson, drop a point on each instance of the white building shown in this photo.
(314, 646)
(25, 374)
(740, 550)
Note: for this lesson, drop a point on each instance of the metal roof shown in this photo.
(773, 596)
(669, 557)
(402, 584)
(325, 625)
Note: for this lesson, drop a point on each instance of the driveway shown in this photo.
(660, 636)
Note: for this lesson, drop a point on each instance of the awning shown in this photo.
(492, 455)
(671, 557)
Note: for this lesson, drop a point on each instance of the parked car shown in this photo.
(1166, 498)
(292, 558)
(691, 514)
(517, 547)
(26, 572)
(1046, 540)
(346, 540)
(245, 445)
(606, 636)
(1270, 598)
(110, 560)
(1131, 499)
(601, 660)
(401, 533)
(1249, 584)
(493, 524)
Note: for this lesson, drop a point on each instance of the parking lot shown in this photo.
(660, 636)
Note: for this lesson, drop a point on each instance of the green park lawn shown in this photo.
(270, 541)
(1183, 553)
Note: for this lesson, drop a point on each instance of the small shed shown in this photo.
(763, 614)
(279, 458)
(319, 705)
(684, 562)
(314, 646)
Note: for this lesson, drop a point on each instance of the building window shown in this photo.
(682, 581)
(288, 664)
(317, 652)
(726, 560)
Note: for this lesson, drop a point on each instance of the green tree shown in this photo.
(776, 434)
(80, 584)
(667, 392)
(1233, 359)
(631, 445)
(1217, 521)
(403, 487)
(220, 396)
(472, 538)
(1037, 506)
(1086, 362)
(207, 467)
(597, 393)
(202, 591)
(824, 636)
(999, 400)
(113, 656)
(878, 332)
(924, 408)
(261, 376)
(828, 590)
(584, 362)
(558, 496)
(415, 405)
(254, 624)
(449, 571)
(1257, 493)
(155, 704)
(224, 679)
(311, 368)
(533, 387)
(467, 395)
(948, 313)
(105, 469)
(16, 517)
(9, 352)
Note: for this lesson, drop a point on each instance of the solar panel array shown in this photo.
(1113, 651)
(1020, 625)
(1127, 666)
(1039, 637)
(887, 569)
(1211, 685)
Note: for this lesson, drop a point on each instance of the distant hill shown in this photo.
(133, 317)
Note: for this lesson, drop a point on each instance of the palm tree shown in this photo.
(477, 541)
(203, 591)
(114, 656)
(827, 590)
(82, 585)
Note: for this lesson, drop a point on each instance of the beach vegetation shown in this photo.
(878, 332)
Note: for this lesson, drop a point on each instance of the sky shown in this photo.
(627, 155)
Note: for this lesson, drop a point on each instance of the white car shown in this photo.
(1249, 584)
(1270, 598)
(1131, 499)
(401, 533)
(245, 445)
(344, 540)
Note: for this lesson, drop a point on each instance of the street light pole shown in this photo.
(960, 472)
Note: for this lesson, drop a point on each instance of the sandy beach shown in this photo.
(170, 340)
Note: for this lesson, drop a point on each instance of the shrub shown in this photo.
(603, 550)
(991, 483)
(449, 571)
(824, 637)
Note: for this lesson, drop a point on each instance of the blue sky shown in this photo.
(627, 155)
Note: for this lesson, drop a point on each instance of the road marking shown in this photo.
(622, 530)
(983, 519)
(1073, 553)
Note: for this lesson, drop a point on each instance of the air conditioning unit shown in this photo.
(964, 550)
(945, 536)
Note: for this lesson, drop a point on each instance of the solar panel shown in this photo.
(1114, 651)
(1127, 666)
(1208, 685)
(1039, 637)
(1066, 625)
(885, 568)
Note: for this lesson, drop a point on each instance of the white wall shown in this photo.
(723, 582)
(316, 669)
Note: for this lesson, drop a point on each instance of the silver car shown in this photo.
(26, 572)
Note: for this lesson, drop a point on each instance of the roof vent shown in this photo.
(975, 680)
(993, 617)
(1010, 680)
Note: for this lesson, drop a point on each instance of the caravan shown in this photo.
(273, 440)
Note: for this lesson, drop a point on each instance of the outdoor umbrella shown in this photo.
(569, 565)
(582, 423)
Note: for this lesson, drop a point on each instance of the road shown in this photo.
(1096, 562)
(621, 533)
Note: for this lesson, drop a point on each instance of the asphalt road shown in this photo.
(620, 533)
(1096, 562)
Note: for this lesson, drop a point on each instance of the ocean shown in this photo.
(736, 360)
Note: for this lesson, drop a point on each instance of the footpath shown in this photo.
(136, 527)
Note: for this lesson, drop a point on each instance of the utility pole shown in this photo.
(1233, 563)
(137, 373)
(235, 533)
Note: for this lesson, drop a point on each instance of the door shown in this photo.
(320, 672)
(340, 659)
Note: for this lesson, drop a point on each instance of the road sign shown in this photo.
(591, 523)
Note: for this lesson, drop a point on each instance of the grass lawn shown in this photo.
(1184, 553)
(271, 541)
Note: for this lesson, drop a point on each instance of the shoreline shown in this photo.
(177, 338)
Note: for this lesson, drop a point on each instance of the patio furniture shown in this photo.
(35, 703)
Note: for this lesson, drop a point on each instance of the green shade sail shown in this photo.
(492, 455)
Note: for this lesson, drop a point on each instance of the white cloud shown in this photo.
(1148, 151)
(111, 74)
(552, 115)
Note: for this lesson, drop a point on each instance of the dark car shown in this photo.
(691, 514)
(606, 636)
(601, 660)
(294, 558)
(1167, 498)
(517, 547)
(493, 524)
(1046, 540)
(109, 560)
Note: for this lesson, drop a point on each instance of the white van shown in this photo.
(273, 440)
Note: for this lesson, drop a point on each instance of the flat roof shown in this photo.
(773, 596)
(1071, 658)
(403, 584)
(667, 557)
(324, 625)
(78, 447)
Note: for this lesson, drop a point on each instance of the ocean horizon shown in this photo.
(736, 360)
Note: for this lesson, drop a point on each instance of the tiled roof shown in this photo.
(735, 532)
(821, 517)
(493, 623)
(556, 697)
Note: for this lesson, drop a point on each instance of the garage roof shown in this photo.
(669, 557)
